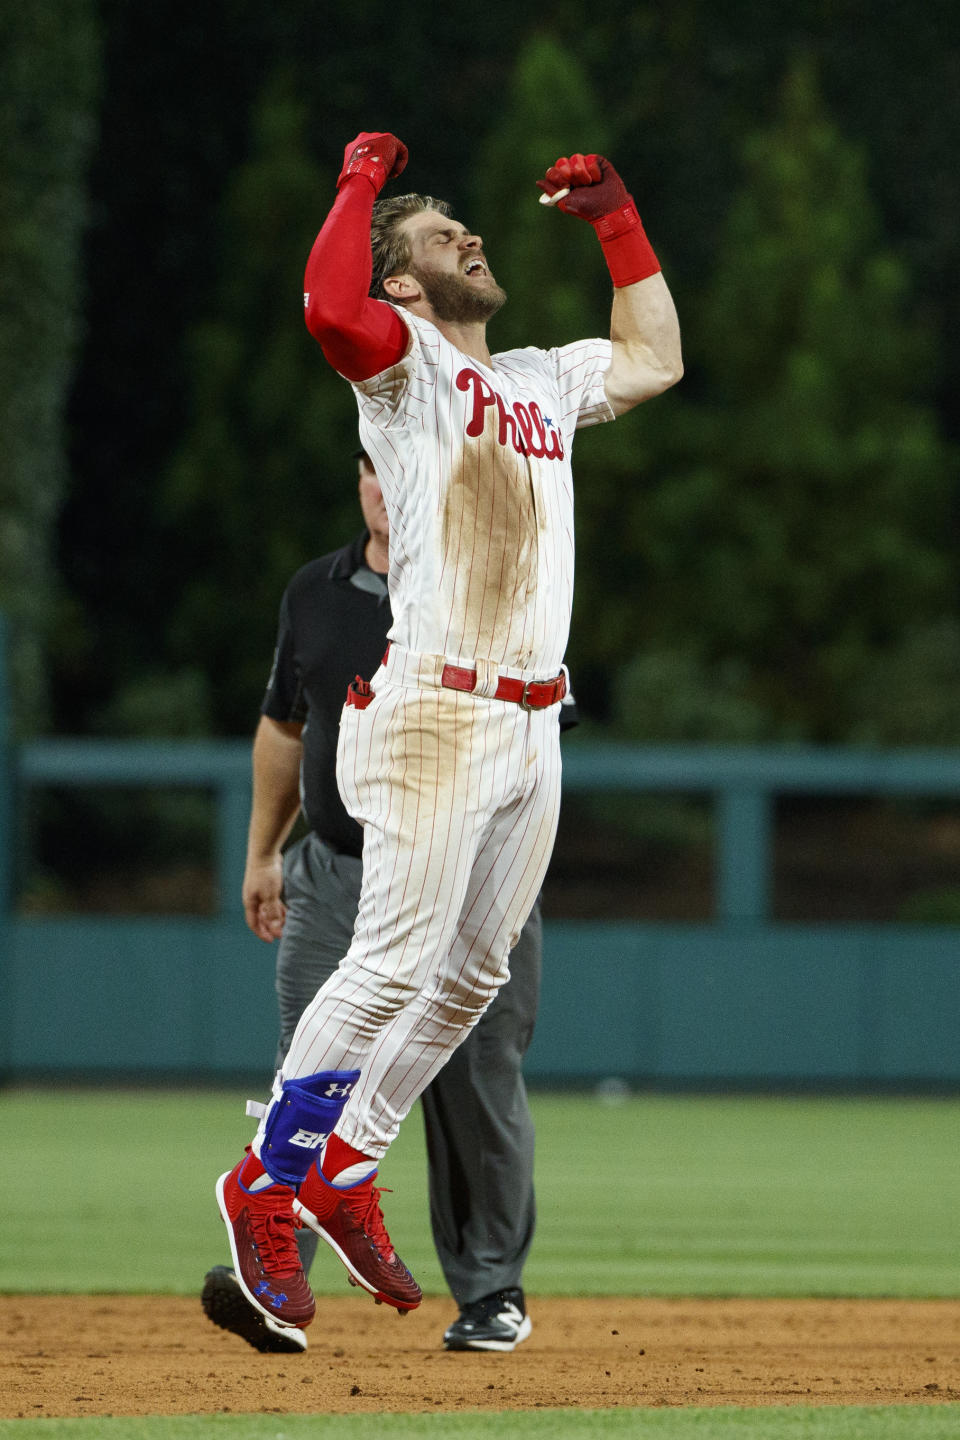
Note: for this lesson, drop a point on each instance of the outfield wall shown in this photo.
(669, 1005)
(738, 1001)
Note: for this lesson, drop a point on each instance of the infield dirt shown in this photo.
(148, 1355)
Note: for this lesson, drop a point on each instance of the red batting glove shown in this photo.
(598, 195)
(377, 155)
(595, 187)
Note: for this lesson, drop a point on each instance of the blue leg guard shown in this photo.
(303, 1115)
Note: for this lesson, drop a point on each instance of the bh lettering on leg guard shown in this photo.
(302, 1115)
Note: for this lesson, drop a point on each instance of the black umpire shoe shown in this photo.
(226, 1305)
(495, 1322)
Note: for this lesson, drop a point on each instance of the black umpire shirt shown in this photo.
(334, 618)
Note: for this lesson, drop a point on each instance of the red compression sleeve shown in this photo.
(626, 249)
(359, 336)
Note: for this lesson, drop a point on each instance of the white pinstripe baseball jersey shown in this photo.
(474, 464)
(458, 793)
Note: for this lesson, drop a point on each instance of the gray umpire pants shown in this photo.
(479, 1130)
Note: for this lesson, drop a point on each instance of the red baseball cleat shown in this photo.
(260, 1226)
(351, 1222)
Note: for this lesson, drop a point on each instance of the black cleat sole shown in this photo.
(226, 1305)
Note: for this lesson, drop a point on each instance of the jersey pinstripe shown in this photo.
(458, 793)
(458, 796)
(474, 464)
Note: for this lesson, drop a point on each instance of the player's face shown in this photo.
(371, 503)
(449, 265)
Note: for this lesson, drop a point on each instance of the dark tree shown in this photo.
(49, 57)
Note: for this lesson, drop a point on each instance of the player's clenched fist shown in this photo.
(588, 186)
(376, 154)
(585, 185)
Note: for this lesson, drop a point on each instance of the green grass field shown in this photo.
(902, 1422)
(656, 1196)
(112, 1191)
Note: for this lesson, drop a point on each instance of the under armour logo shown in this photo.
(309, 1139)
(333, 1090)
(264, 1289)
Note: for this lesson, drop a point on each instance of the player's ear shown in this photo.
(402, 288)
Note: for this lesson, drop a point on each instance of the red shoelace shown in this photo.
(273, 1234)
(364, 1206)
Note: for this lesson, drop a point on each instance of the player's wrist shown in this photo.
(370, 174)
(264, 859)
(621, 221)
(629, 255)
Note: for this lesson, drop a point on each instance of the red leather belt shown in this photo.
(528, 694)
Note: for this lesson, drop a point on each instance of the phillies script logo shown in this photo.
(525, 427)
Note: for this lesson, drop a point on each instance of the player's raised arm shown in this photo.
(358, 335)
(644, 329)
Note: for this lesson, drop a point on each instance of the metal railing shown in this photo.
(743, 782)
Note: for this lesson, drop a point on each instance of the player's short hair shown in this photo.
(390, 247)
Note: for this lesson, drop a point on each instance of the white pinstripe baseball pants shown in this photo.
(459, 796)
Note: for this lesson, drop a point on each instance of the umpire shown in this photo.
(334, 619)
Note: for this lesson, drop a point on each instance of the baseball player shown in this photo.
(449, 754)
(334, 619)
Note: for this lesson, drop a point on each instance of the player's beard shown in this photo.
(452, 297)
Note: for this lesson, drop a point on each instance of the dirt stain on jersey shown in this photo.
(432, 757)
(489, 539)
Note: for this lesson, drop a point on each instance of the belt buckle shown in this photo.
(525, 704)
(557, 686)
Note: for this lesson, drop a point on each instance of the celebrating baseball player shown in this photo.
(448, 755)
(334, 619)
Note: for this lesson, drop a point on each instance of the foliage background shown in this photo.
(766, 553)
